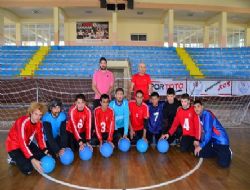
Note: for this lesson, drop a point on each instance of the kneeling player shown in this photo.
(54, 128)
(120, 107)
(79, 124)
(189, 121)
(139, 115)
(21, 149)
(104, 120)
(155, 122)
(214, 140)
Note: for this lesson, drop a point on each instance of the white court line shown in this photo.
(137, 188)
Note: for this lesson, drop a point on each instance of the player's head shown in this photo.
(104, 101)
(119, 94)
(170, 95)
(103, 63)
(185, 101)
(142, 68)
(80, 101)
(55, 107)
(139, 97)
(36, 110)
(198, 107)
(154, 97)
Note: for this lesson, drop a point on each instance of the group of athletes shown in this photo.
(191, 127)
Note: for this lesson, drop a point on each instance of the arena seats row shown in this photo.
(222, 62)
(160, 61)
(14, 58)
(81, 61)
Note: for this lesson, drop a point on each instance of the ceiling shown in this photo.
(83, 12)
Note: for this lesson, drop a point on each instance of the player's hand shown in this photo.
(165, 136)
(125, 137)
(197, 150)
(81, 145)
(46, 152)
(111, 144)
(89, 145)
(196, 143)
(101, 142)
(37, 165)
(61, 151)
(144, 138)
(132, 134)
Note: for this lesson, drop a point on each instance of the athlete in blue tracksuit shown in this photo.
(214, 140)
(156, 124)
(54, 128)
(121, 110)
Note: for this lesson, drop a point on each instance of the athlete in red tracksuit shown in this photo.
(20, 147)
(188, 119)
(79, 123)
(104, 120)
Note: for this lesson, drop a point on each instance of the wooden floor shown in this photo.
(131, 170)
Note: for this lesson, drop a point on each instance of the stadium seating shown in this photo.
(82, 61)
(222, 62)
(13, 59)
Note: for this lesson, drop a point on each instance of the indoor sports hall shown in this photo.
(53, 49)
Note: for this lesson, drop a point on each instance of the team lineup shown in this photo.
(144, 116)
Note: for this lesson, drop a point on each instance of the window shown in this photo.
(37, 34)
(10, 34)
(138, 37)
(213, 37)
(235, 37)
(188, 36)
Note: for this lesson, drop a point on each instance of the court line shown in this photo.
(137, 188)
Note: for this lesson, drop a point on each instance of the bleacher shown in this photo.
(222, 62)
(13, 59)
(81, 61)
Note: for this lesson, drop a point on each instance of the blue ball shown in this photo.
(48, 164)
(106, 149)
(67, 157)
(162, 146)
(124, 144)
(142, 146)
(86, 153)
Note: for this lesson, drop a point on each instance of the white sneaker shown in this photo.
(231, 153)
(10, 161)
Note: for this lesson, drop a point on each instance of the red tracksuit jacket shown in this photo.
(189, 121)
(79, 122)
(22, 133)
(104, 122)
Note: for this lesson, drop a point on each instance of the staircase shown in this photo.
(35, 61)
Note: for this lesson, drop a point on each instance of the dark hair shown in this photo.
(104, 96)
(139, 92)
(198, 102)
(170, 91)
(102, 59)
(155, 94)
(185, 96)
(119, 89)
(53, 103)
(80, 96)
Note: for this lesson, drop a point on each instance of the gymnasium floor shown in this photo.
(173, 170)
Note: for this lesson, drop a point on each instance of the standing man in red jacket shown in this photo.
(19, 144)
(141, 81)
(188, 119)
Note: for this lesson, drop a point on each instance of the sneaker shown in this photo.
(10, 161)
(174, 143)
(231, 153)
